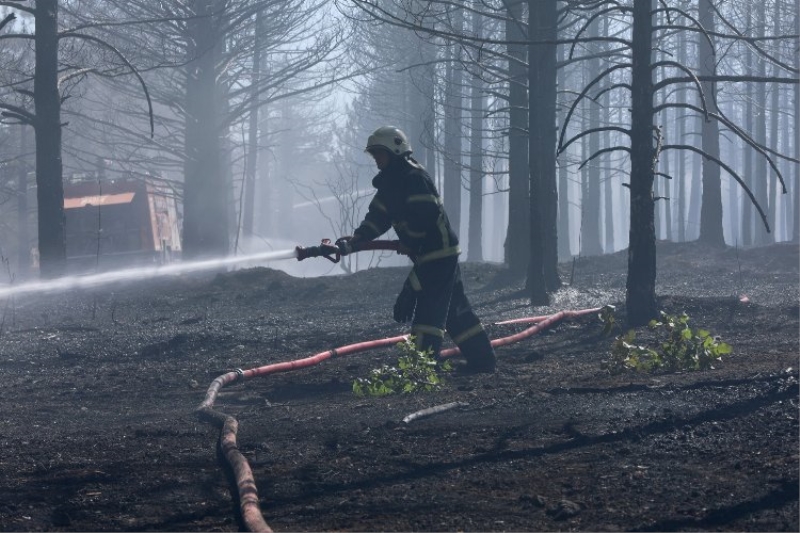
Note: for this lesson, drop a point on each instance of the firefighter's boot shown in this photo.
(478, 351)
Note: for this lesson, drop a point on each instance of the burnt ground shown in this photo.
(99, 389)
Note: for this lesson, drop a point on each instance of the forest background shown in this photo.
(554, 129)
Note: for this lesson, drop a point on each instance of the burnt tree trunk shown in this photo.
(47, 102)
(747, 206)
(590, 201)
(680, 135)
(517, 245)
(603, 161)
(548, 76)
(773, 187)
(451, 185)
(205, 223)
(564, 249)
(251, 165)
(23, 235)
(796, 191)
(421, 100)
(475, 249)
(541, 131)
(711, 232)
(640, 295)
(761, 236)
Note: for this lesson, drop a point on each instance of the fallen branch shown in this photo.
(433, 410)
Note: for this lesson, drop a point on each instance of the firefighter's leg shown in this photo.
(466, 330)
(427, 338)
(436, 281)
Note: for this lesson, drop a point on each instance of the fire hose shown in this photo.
(332, 252)
(245, 481)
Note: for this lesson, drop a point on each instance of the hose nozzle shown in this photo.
(325, 249)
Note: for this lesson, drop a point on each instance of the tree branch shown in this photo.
(583, 95)
(751, 42)
(592, 19)
(735, 79)
(604, 151)
(698, 27)
(761, 149)
(19, 113)
(584, 133)
(8, 18)
(127, 63)
(729, 170)
(696, 81)
(15, 4)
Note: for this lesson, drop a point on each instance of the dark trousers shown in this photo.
(443, 306)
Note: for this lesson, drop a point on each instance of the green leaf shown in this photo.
(677, 348)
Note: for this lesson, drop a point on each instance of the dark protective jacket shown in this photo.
(407, 200)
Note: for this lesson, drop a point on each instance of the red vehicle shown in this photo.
(113, 224)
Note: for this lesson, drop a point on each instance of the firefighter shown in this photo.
(432, 297)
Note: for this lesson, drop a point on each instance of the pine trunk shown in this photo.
(451, 188)
(711, 232)
(536, 284)
(205, 222)
(517, 244)
(761, 175)
(640, 293)
(47, 103)
(475, 249)
(23, 234)
(251, 165)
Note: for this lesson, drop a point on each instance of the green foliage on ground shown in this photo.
(608, 319)
(677, 347)
(415, 371)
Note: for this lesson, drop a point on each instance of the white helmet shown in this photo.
(390, 138)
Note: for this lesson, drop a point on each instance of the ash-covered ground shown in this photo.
(100, 387)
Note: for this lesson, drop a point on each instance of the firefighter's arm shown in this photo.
(375, 223)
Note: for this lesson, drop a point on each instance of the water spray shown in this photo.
(104, 278)
(325, 249)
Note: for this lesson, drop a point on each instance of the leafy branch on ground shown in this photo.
(415, 371)
(608, 319)
(678, 347)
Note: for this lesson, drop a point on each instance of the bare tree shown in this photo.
(475, 237)
(46, 121)
(711, 209)
(796, 221)
(646, 139)
(518, 234)
(199, 58)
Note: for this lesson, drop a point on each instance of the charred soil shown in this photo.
(100, 386)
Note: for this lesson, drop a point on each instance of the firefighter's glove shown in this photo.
(346, 245)
(405, 303)
(327, 250)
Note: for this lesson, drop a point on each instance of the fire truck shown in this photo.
(120, 223)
